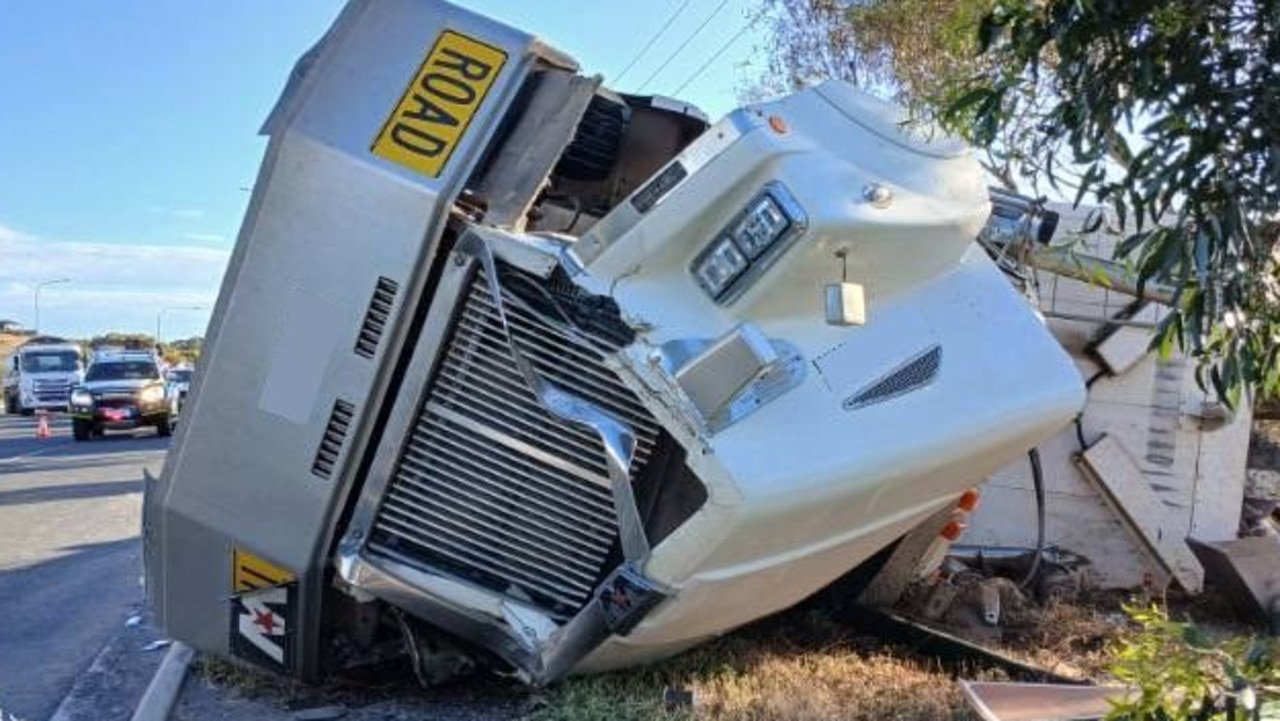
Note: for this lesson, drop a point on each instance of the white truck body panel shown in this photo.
(455, 470)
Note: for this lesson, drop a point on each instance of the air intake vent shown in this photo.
(914, 373)
(375, 319)
(334, 434)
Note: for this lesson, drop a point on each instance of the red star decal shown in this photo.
(266, 620)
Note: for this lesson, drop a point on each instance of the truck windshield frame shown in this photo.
(50, 361)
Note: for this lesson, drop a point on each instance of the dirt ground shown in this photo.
(804, 665)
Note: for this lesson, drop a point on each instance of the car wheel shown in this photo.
(164, 428)
(81, 429)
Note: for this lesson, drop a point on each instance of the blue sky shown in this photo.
(128, 132)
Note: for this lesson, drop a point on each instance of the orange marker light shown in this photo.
(968, 500)
(952, 530)
(778, 124)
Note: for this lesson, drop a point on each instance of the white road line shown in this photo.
(19, 457)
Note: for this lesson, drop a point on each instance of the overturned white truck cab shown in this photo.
(561, 379)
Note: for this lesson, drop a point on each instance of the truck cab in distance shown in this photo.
(40, 374)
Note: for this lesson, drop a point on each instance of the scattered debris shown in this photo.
(1039, 701)
(675, 698)
(940, 597)
(1261, 498)
(157, 645)
(1248, 571)
(133, 620)
(990, 601)
(947, 648)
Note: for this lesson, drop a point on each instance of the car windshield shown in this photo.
(122, 371)
(50, 361)
(181, 376)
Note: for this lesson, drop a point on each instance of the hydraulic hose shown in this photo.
(1037, 480)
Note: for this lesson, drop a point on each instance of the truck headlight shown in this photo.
(81, 397)
(719, 265)
(764, 223)
(750, 243)
(152, 394)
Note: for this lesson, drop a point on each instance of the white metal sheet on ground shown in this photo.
(1039, 701)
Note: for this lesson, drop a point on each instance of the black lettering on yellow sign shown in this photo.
(435, 110)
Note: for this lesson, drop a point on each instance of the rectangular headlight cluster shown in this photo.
(750, 243)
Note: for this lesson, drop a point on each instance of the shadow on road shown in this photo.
(69, 492)
(52, 630)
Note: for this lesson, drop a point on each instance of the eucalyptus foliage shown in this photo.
(918, 53)
(1178, 673)
(1168, 111)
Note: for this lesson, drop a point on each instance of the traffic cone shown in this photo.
(42, 424)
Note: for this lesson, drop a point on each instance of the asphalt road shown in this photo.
(70, 554)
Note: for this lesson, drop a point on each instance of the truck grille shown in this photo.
(491, 487)
(48, 391)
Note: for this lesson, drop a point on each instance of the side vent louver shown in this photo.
(913, 374)
(334, 434)
(375, 319)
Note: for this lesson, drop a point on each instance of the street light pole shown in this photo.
(160, 315)
(40, 285)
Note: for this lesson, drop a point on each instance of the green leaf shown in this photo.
(1093, 221)
(988, 28)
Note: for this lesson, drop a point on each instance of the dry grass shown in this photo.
(1072, 639)
(805, 667)
(799, 668)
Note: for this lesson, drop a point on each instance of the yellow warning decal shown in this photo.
(250, 572)
(435, 110)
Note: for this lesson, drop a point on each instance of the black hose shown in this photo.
(1037, 480)
(1088, 384)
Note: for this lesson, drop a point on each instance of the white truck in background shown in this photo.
(40, 374)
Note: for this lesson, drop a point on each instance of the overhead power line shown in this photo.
(683, 45)
(716, 56)
(653, 39)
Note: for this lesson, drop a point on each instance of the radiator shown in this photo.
(489, 486)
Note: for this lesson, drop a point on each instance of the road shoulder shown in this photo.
(110, 688)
